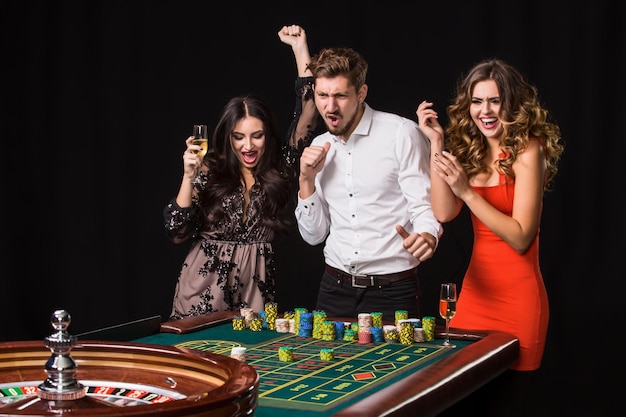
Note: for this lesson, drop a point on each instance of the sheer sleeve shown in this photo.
(306, 121)
(181, 224)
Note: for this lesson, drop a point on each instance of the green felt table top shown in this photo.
(307, 384)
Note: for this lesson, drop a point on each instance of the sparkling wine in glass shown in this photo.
(447, 308)
(201, 138)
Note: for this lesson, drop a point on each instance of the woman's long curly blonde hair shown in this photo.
(521, 115)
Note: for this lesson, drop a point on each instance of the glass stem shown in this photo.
(447, 331)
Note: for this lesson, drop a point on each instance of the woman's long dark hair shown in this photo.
(224, 171)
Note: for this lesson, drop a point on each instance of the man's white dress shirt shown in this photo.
(375, 180)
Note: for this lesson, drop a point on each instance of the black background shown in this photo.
(99, 96)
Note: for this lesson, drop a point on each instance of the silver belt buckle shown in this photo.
(355, 285)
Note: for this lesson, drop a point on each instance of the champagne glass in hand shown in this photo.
(201, 138)
(447, 308)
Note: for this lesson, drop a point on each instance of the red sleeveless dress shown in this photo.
(503, 290)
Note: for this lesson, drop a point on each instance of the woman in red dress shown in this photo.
(498, 157)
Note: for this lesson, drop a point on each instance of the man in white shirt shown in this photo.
(364, 188)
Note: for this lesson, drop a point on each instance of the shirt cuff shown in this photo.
(309, 205)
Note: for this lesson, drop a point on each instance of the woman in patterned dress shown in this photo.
(244, 203)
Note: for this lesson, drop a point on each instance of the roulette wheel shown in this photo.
(64, 376)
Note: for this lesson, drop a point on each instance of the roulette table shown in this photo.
(184, 369)
(371, 379)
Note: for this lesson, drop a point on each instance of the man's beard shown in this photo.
(340, 131)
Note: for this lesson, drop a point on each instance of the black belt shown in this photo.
(366, 281)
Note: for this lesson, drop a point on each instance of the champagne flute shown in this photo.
(200, 137)
(447, 309)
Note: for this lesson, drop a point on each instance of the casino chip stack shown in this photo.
(339, 329)
(297, 313)
(327, 355)
(305, 328)
(377, 334)
(406, 333)
(239, 323)
(377, 319)
(418, 334)
(319, 317)
(428, 324)
(271, 314)
(247, 314)
(391, 333)
(364, 321)
(256, 324)
(239, 353)
(290, 317)
(365, 337)
(285, 354)
(282, 325)
(261, 315)
(401, 315)
(327, 331)
(350, 335)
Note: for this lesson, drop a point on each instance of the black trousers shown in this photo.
(339, 299)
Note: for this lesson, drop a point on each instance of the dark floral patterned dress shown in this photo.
(230, 263)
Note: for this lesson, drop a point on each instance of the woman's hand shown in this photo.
(191, 159)
(295, 36)
(450, 170)
(292, 35)
(427, 119)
